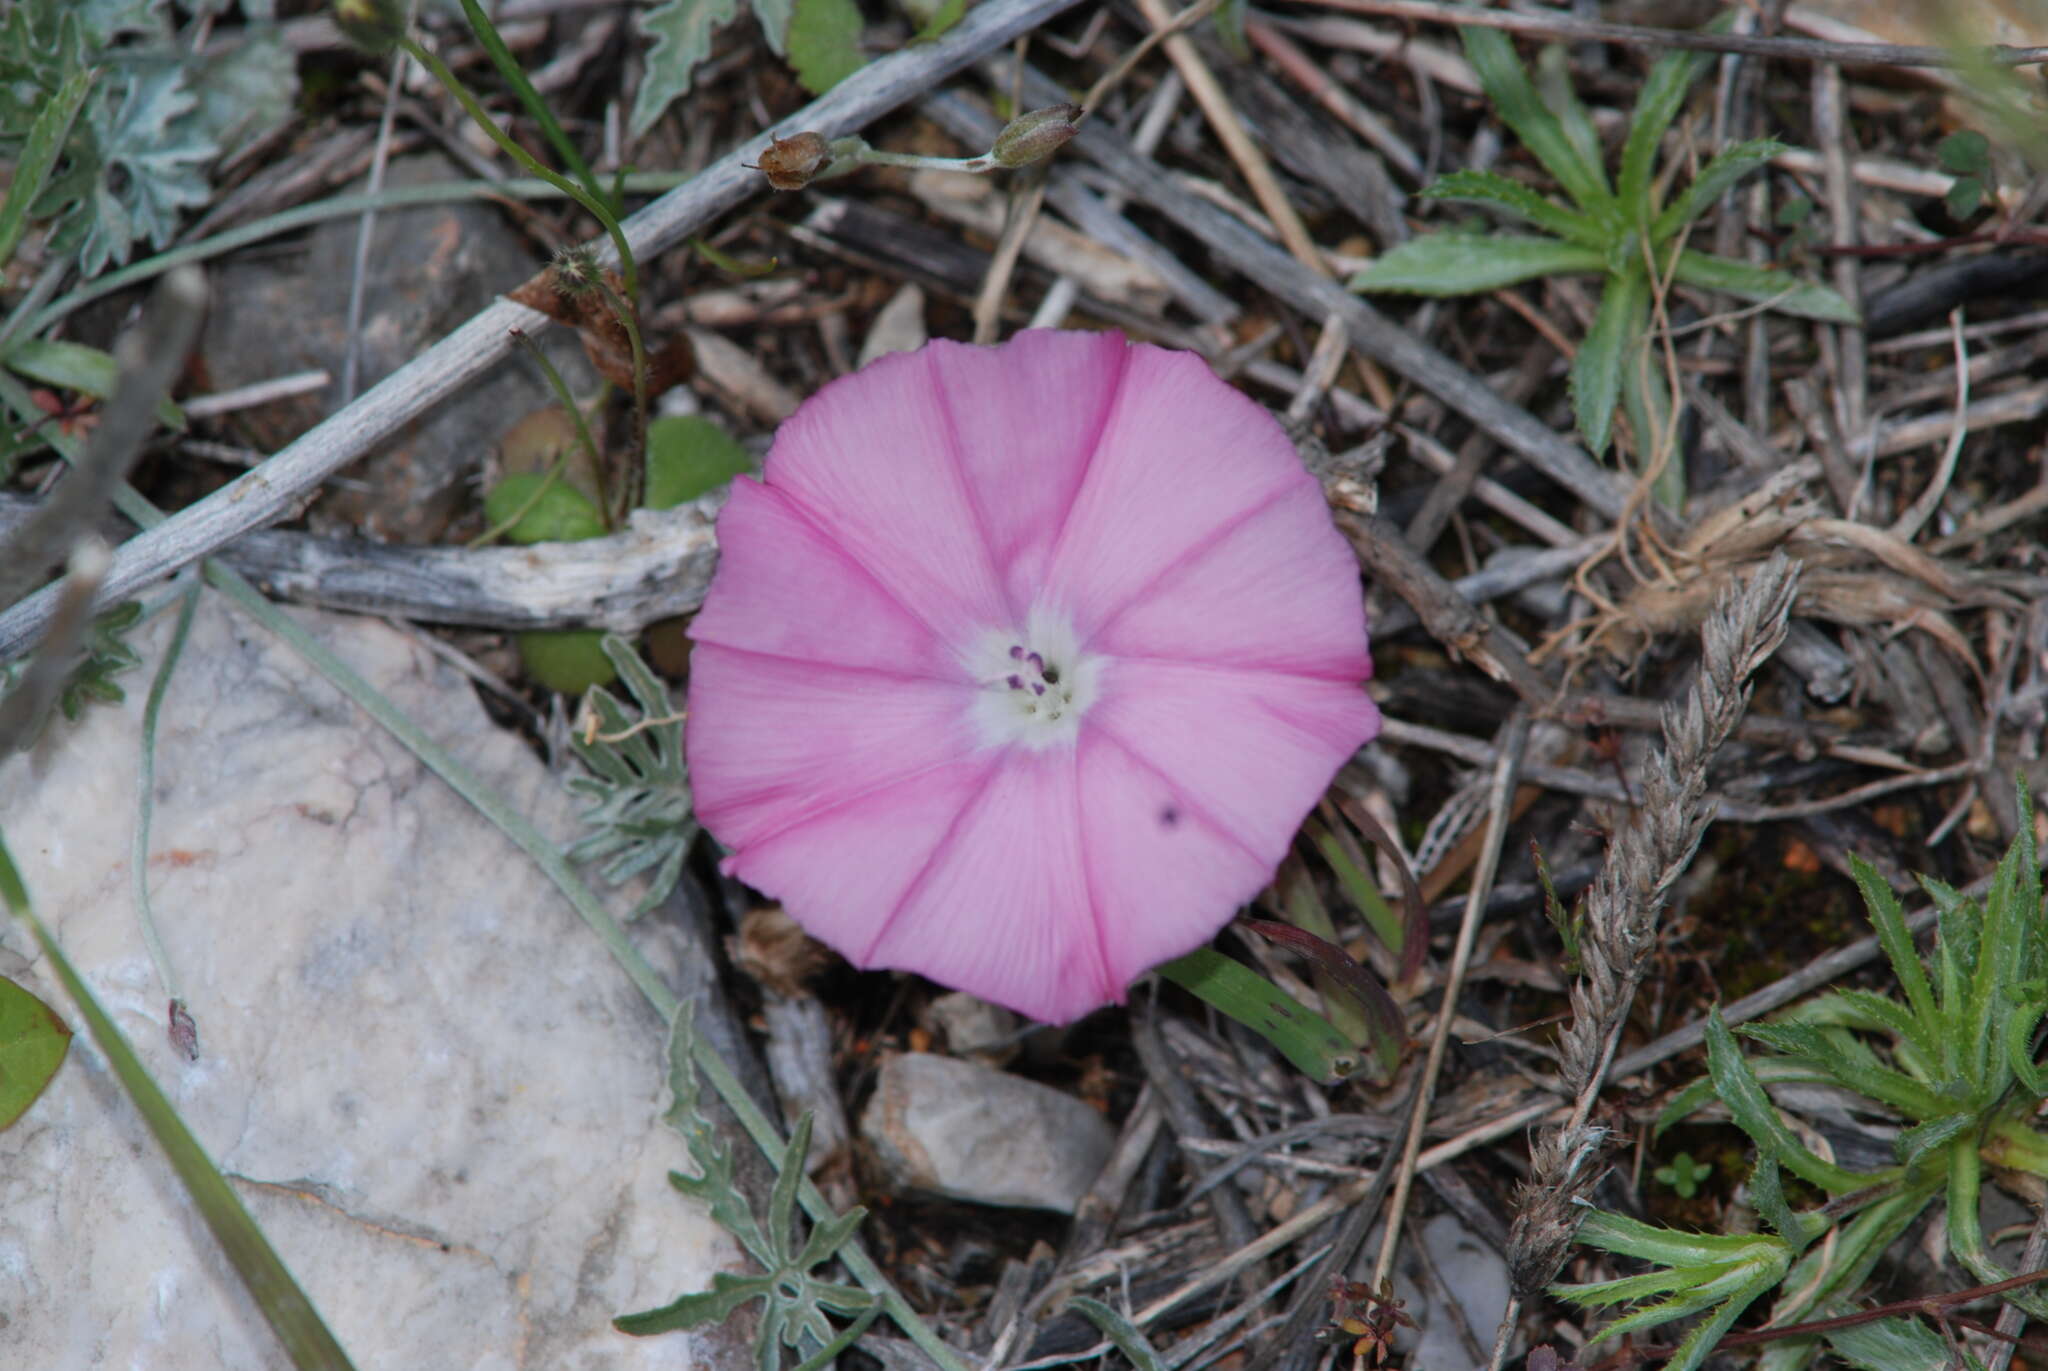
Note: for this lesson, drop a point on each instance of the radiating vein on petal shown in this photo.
(870, 459)
(1004, 911)
(1256, 747)
(1278, 591)
(1181, 458)
(773, 741)
(783, 587)
(1163, 879)
(843, 871)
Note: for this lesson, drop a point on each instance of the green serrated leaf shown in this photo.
(1755, 1115)
(1785, 293)
(1657, 104)
(1899, 1344)
(1611, 347)
(1728, 166)
(637, 809)
(152, 161)
(773, 17)
(681, 30)
(824, 43)
(727, 1296)
(38, 157)
(245, 90)
(1467, 263)
(1514, 98)
(1512, 197)
(33, 1041)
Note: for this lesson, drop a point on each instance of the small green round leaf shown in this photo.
(569, 660)
(560, 515)
(32, 1044)
(1964, 152)
(689, 456)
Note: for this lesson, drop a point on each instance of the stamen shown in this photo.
(1017, 683)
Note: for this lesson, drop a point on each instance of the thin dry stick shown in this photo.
(1852, 376)
(1786, 49)
(1230, 131)
(1500, 813)
(1025, 203)
(1622, 908)
(1923, 508)
(274, 490)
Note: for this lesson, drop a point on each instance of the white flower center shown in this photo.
(1033, 685)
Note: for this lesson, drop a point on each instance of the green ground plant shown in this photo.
(1631, 231)
(1948, 1061)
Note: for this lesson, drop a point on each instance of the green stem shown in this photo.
(145, 789)
(628, 494)
(515, 76)
(628, 269)
(302, 216)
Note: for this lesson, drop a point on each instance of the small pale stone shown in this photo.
(429, 1084)
(974, 1028)
(963, 1131)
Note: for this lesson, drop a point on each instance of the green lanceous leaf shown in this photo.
(1611, 346)
(1728, 166)
(1899, 1345)
(38, 158)
(1467, 263)
(1128, 1337)
(681, 30)
(32, 1045)
(1706, 1272)
(824, 43)
(1661, 98)
(1512, 197)
(1807, 299)
(689, 456)
(1493, 56)
(1757, 1116)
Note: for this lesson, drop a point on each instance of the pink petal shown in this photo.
(783, 587)
(843, 871)
(1165, 878)
(1182, 458)
(872, 460)
(1003, 910)
(1027, 418)
(773, 742)
(1277, 589)
(1249, 750)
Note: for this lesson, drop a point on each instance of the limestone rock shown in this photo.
(963, 1131)
(426, 1080)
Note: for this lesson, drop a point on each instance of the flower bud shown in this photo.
(1031, 137)
(373, 25)
(790, 163)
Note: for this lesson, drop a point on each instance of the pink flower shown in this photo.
(1023, 665)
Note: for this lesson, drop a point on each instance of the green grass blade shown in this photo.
(515, 76)
(38, 157)
(283, 1304)
(1302, 1036)
(1127, 1336)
